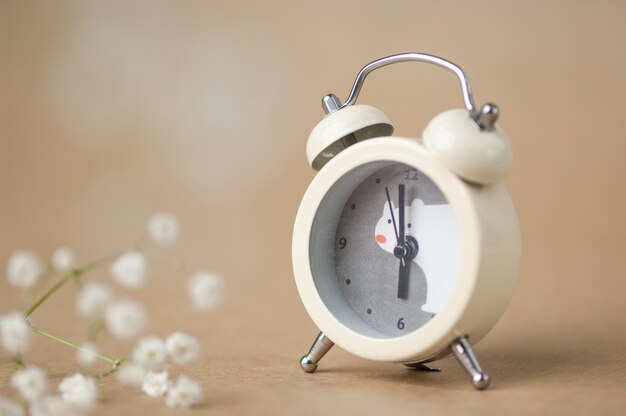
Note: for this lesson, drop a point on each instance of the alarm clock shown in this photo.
(404, 249)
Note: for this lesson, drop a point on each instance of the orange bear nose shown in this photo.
(381, 239)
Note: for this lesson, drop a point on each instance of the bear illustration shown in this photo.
(435, 229)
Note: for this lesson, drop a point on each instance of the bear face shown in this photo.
(436, 231)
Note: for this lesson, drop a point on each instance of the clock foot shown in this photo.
(463, 352)
(421, 367)
(320, 347)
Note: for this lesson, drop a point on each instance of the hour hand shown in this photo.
(403, 279)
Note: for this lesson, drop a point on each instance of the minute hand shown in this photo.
(393, 218)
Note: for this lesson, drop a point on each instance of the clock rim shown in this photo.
(437, 333)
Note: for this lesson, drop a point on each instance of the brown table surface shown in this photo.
(114, 111)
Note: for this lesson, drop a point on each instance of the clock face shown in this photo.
(396, 249)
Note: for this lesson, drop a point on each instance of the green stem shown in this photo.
(50, 291)
(99, 262)
(48, 274)
(94, 328)
(72, 274)
(79, 283)
(115, 362)
(18, 360)
(108, 372)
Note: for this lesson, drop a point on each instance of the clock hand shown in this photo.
(403, 279)
(401, 214)
(393, 218)
(403, 274)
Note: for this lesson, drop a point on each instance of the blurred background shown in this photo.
(114, 110)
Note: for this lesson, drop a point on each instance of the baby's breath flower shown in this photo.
(14, 332)
(131, 374)
(87, 356)
(205, 290)
(130, 269)
(79, 390)
(31, 382)
(163, 228)
(93, 299)
(155, 384)
(63, 259)
(184, 393)
(182, 348)
(149, 352)
(55, 406)
(10, 408)
(24, 269)
(125, 318)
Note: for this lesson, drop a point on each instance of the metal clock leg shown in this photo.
(319, 348)
(463, 352)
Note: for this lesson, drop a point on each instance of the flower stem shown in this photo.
(96, 263)
(18, 360)
(94, 328)
(45, 278)
(113, 369)
(50, 291)
(115, 362)
(72, 274)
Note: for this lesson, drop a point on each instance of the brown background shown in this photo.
(114, 110)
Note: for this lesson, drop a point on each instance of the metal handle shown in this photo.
(485, 117)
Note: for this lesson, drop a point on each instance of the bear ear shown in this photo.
(417, 201)
(386, 208)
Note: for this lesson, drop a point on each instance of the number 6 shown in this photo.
(401, 323)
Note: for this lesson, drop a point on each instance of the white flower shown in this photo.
(182, 348)
(205, 290)
(31, 382)
(125, 318)
(155, 384)
(78, 389)
(93, 299)
(163, 228)
(87, 356)
(55, 406)
(14, 332)
(149, 352)
(10, 408)
(130, 269)
(24, 269)
(63, 259)
(184, 393)
(131, 374)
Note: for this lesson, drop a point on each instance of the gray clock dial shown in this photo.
(396, 286)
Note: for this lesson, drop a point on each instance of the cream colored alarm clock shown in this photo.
(405, 250)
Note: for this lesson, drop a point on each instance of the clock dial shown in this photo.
(397, 250)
